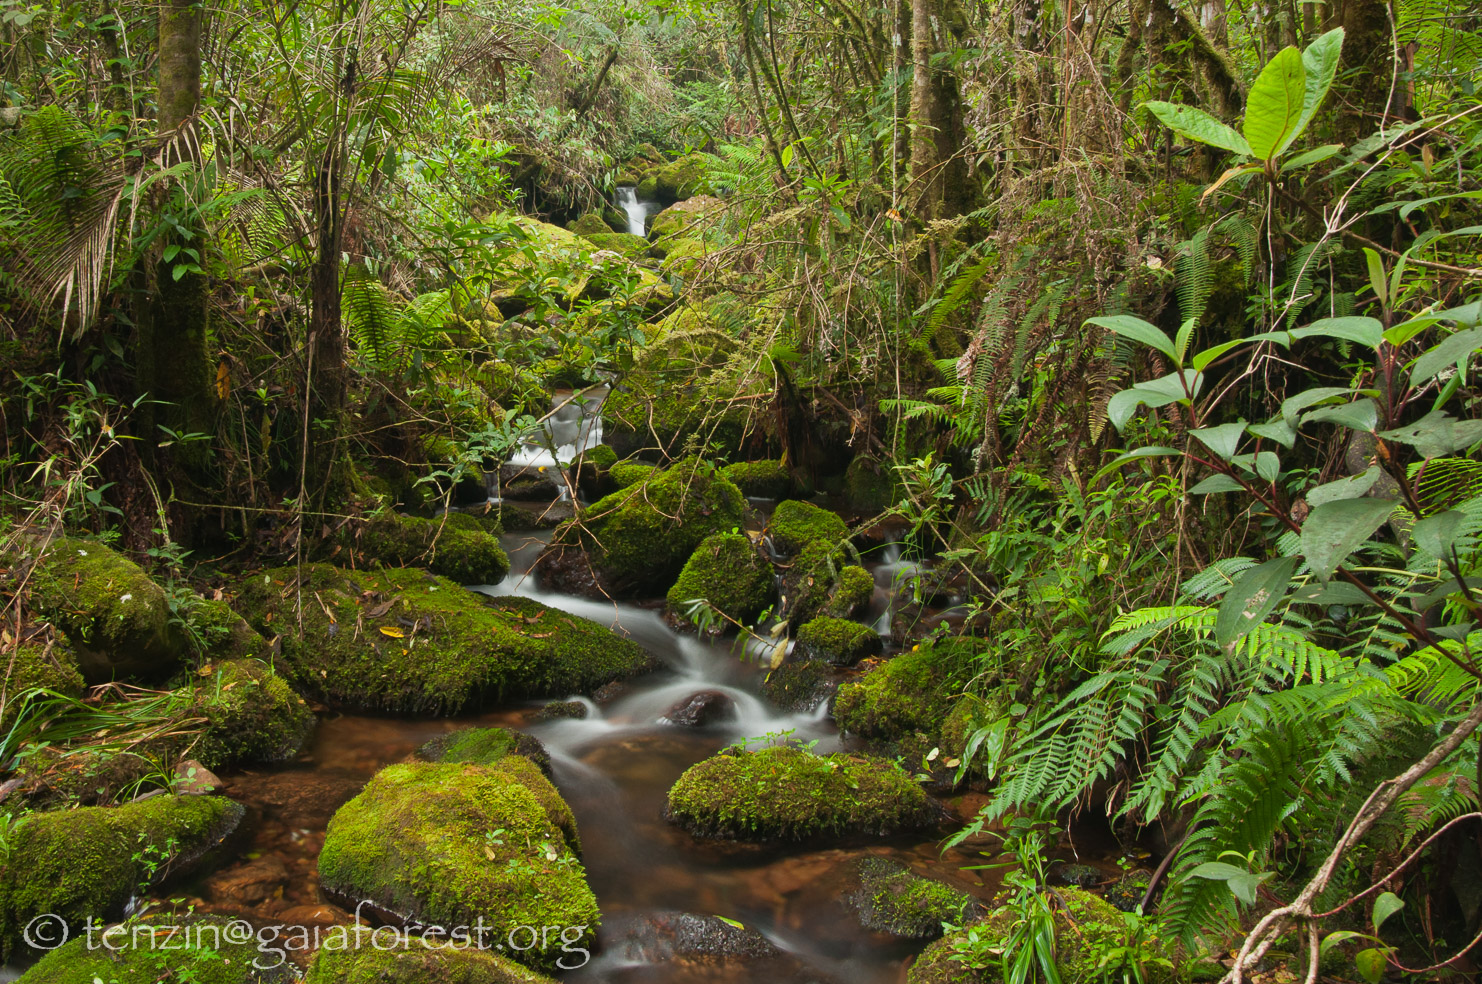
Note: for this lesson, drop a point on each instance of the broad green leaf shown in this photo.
(1319, 65)
(1274, 107)
(1277, 430)
(1199, 126)
(1370, 964)
(1336, 937)
(1365, 331)
(1222, 440)
(1344, 488)
(1155, 393)
(1148, 452)
(1291, 405)
(1376, 275)
(1385, 906)
(1437, 434)
(1138, 330)
(1436, 534)
(1268, 465)
(1201, 360)
(1217, 483)
(1401, 333)
(1181, 343)
(1254, 595)
(1360, 415)
(1336, 529)
(1332, 593)
(1314, 156)
(1451, 351)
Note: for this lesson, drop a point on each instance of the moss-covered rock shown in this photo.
(161, 951)
(118, 620)
(448, 548)
(405, 640)
(728, 572)
(627, 473)
(584, 274)
(1086, 928)
(820, 582)
(483, 519)
(870, 486)
(837, 641)
(761, 479)
(485, 746)
(799, 685)
(252, 715)
(684, 177)
(57, 777)
(87, 863)
(222, 634)
(625, 244)
(639, 538)
(433, 960)
(590, 223)
(49, 664)
(796, 524)
(790, 794)
(447, 844)
(892, 899)
(908, 694)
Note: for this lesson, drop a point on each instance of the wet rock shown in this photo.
(563, 710)
(194, 779)
(609, 692)
(1129, 890)
(837, 641)
(1080, 875)
(217, 959)
(905, 701)
(891, 899)
(446, 843)
(760, 479)
(530, 488)
(485, 746)
(252, 715)
(699, 710)
(248, 885)
(728, 572)
(790, 794)
(86, 863)
(434, 962)
(116, 618)
(314, 915)
(406, 641)
(518, 516)
(799, 685)
(663, 935)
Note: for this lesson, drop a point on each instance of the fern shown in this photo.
(1194, 280)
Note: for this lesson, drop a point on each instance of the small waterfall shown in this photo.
(573, 426)
(627, 200)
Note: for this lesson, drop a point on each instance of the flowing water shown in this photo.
(627, 200)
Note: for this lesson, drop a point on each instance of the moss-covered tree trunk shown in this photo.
(1368, 62)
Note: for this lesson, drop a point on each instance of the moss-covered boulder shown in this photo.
(447, 844)
(627, 473)
(87, 863)
(837, 641)
(553, 260)
(799, 685)
(446, 547)
(910, 694)
(485, 746)
(482, 519)
(760, 479)
(870, 485)
(727, 571)
(638, 539)
(625, 244)
(590, 223)
(790, 794)
(408, 641)
(118, 620)
(47, 663)
(891, 899)
(796, 524)
(1086, 928)
(685, 177)
(222, 634)
(682, 392)
(252, 715)
(686, 219)
(427, 960)
(820, 581)
(162, 950)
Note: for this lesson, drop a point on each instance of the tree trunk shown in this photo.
(927, 189)
(326, 344)
(1368, 52)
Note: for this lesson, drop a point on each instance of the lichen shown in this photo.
(796, 524)
(761, 479)
(407, 641)
(445, 844)
(891, 899)
(429, 960)
(837, 641)
(86, 863)
(467, 556)
(726, 571)
(790, 794)
(252, 715)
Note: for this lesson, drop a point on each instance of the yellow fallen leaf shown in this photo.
(393, 632)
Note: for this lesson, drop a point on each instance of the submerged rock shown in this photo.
(662, 936)
(446, 548)
(485, 746)
(638, 539)
(891, 899)
(790, 794)
(435, 961)
(87, 863)
(447, 844)
(562, 710)
(194, 949)
(252, 715)
(404, 640)
(727, 571)
(838, 641)
(699, 710)
(118, 620)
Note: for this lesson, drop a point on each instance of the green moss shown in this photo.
(446, 548)
(52, 666)
(891, 899)
(625, 244)
(86, 863)
(726, 571)
(117, 619)
(869, 485)
(792, 794)
(222, 634)
(797, 685)
(446, 844)
(433, 961)
(851, 593)
(480, 521)
(763, 479)
(590, 223)
(685, 219)
(194, 950)
(627, 473)
(485, 746)
(639, 538)
(252, 716)
(685, 177)
(404, 640)
(796, 524)
(816, 584)
(647, 188)
(602, 456)
(910, 693)
(837, 641)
